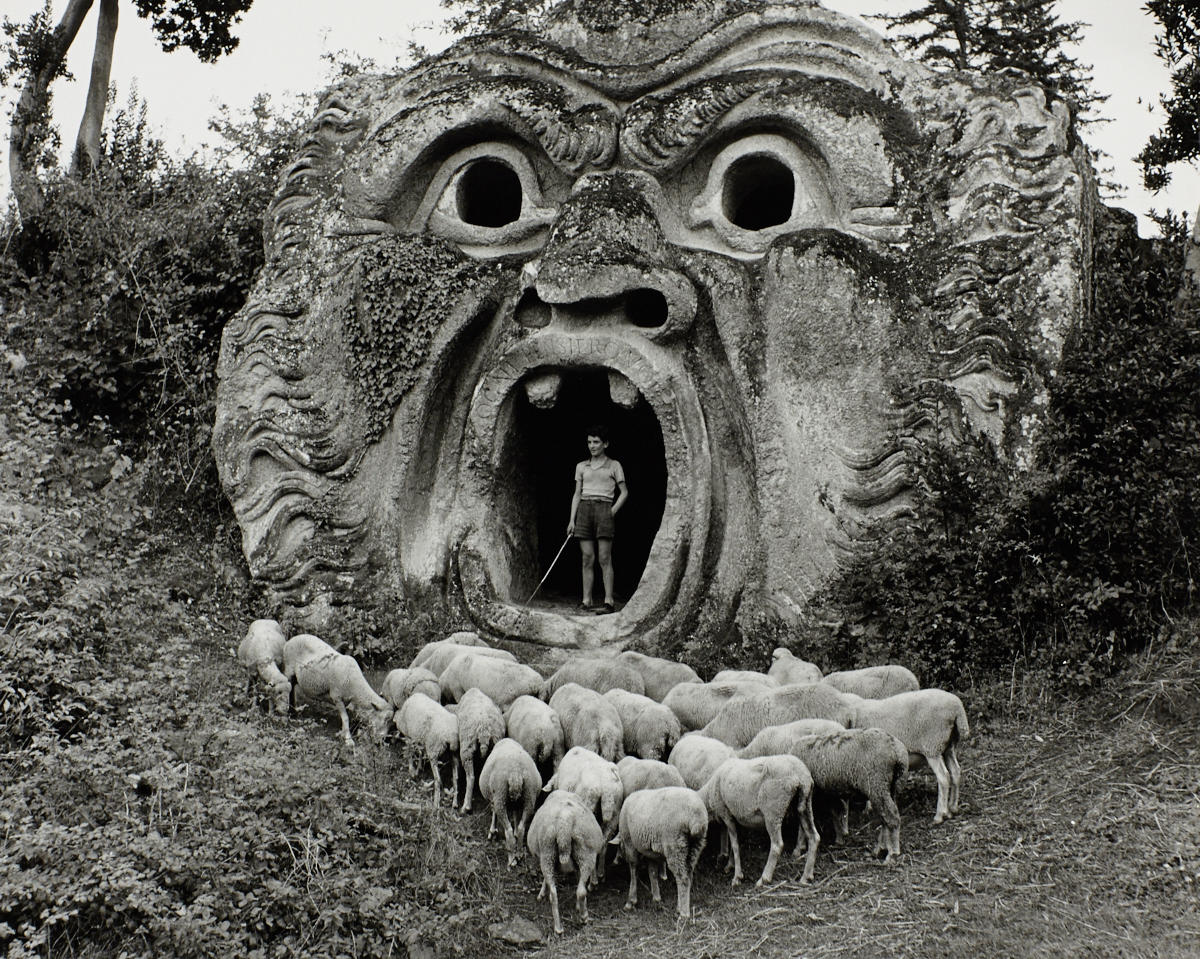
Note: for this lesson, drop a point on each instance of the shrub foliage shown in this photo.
(1085, 557)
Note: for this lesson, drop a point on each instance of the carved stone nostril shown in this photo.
(531, 311)
(646, 308)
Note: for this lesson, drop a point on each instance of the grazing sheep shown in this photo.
(659, 675)
(594, 780)
(874, 682)
(320, 670)
(745, 676)
(870, 762)
(536, 726)
(261, 653)
(787, 669)
(437, 656)
(502, 680)
(480, 727)
(668, 825)
(510, 783)
(431, 727)
(399, 684)
(650, 729)
(589, 720)
(695, 704)
(744, 716)
(698, 757)
(638, 774)
(759, 792)
(929, 722)
(564, 832)
(594, 672)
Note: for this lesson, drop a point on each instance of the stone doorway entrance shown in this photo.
(550, 443)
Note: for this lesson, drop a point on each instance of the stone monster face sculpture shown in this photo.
(774, 258)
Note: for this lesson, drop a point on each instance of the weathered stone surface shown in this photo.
(517, 931)
(776, 257)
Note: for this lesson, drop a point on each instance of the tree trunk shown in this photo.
(30, 111)
(87, 146)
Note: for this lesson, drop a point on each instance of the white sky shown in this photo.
(282, 42)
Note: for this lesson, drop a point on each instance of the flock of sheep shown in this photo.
(637, 751)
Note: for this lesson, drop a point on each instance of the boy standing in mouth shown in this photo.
(599, 492)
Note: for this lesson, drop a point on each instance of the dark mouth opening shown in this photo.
(538, 467)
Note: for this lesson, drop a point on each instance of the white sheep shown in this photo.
(666, 825)
(432, 728)
(600, 673)
(320, 670)
(740, 719)
(565, 833)
(589, 720)
(502, 680)
(874, 682)
(460, 639)
(930, 723)
(536, 726)
(594, 780)
(650, 729)
(261, 654)
(843, 762)
(511, 784)
(399, 684)
(638, 774)
(745, 676)
(695, 704)
(697, 757)
(480, 727)
(437, 656)
(659, 675)
(787, 668)
(759, 792)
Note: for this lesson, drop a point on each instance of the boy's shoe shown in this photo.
(587, 608)
(605, 608)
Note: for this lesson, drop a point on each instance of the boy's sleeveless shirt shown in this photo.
(600, 482)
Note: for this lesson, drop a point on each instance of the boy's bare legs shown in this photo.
(588, 550)
(606, 570)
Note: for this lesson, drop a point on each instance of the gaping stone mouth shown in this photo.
(529, 419)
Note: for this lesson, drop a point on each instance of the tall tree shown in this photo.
(1178, 45)
(996, 34)
(39, 54)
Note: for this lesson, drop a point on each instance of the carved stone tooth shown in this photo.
(621, 390)
(542, 389)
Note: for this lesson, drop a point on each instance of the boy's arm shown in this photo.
(622, 495)
(575, 501)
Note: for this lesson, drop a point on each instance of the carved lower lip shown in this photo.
(657, 377)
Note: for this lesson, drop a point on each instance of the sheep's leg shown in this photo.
(683, 886)
(731, 833)
(938, 765)
(955, 771)
(655, 890)
(775, 833)
(889, 830)
(581, 891)
(510, 839)
(809, 837)
(841, 825)
(631, 857)
(437, 780)
(492, 825)
(548, 885)
(453, 775)
(346, 737)
(468, 763)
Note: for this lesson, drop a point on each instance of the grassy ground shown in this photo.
(145, 809)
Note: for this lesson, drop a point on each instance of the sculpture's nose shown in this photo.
(607, 257)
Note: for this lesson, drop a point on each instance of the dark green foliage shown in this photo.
(202, 26)
(484, 16)
(1179, 48)
(118, 290)
(1078, 561)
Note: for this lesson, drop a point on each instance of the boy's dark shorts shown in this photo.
(594, 520)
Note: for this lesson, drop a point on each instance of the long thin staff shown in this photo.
(550, 570)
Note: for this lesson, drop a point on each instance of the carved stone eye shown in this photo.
(486, 198)
(761, 186)
(489, 194)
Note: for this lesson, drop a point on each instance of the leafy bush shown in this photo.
(1084, 558)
